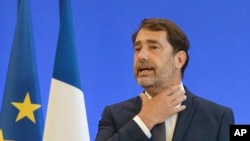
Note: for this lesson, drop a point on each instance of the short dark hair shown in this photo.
(175, 36)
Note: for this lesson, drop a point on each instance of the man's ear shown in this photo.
(180, 59)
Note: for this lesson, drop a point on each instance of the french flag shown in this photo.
(66, 118)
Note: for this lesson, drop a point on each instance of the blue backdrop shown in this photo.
(218, 30)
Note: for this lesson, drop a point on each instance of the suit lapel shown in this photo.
(137, 105)
(184, 117)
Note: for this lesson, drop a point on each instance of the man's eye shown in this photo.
(153, 47)
(137, 49)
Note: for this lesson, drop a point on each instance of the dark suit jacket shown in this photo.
(202, 120)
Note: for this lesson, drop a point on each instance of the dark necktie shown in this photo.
(158, 132)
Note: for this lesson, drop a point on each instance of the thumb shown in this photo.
(144, 98)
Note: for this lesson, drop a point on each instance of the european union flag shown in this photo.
(21, 114)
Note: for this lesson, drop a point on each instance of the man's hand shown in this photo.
(161, 106)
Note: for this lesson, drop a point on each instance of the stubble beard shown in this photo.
(159, 80)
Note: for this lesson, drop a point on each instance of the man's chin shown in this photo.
(145, 82)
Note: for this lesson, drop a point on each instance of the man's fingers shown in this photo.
(172, 90)
(179, 100)
(179, 109)
(179, 95)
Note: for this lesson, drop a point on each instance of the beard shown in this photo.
(148, 78)
(155, 78)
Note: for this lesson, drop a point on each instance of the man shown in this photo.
(166, 110)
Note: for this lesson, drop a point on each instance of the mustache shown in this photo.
(144, 65)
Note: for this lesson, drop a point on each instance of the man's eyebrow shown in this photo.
(153, 41)
(148, 41)
(137, 43)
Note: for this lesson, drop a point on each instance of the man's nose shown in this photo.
(143, 54)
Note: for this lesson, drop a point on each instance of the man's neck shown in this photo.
(153, 91)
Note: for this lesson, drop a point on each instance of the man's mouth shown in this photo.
(145, 70)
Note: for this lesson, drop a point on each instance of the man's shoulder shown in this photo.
(126, 103)
(123, 111)
(204, 103)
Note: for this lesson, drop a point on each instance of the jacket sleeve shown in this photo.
(226, 121)
(110, 129)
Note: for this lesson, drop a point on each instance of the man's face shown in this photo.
(153, 59)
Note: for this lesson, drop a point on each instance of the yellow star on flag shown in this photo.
(1, 136)
(26, 109)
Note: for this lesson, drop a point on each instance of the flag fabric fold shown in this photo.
(66, 114)
(21, 115)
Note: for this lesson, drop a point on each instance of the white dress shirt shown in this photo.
(170, 123)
